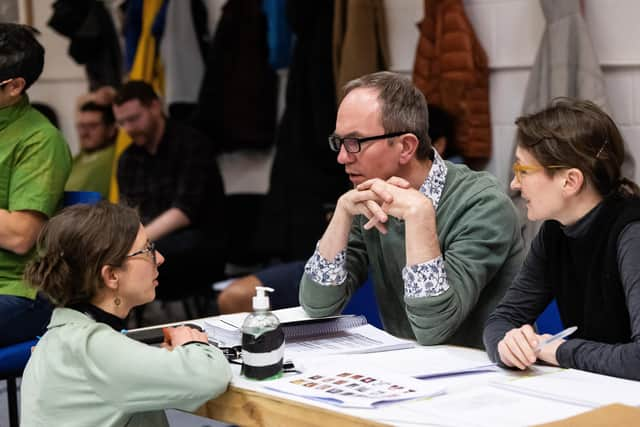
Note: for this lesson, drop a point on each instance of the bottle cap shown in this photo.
(261, 300)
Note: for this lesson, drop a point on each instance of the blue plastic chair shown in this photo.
(549, 321)
(364, 302)
(75, 197)
(13, 359)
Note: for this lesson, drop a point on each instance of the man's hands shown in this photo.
(518, 348)
(376, 199)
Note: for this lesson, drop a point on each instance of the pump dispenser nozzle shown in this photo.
(261, 300)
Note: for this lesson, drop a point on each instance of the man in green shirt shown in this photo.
(442, 241)
(34, 165)
(91, 170)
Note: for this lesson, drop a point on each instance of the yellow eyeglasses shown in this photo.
(519, 170)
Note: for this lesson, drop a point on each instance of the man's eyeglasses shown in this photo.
(353, 144)
(522, 170)
(150, 248)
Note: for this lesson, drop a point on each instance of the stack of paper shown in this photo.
(422, 362)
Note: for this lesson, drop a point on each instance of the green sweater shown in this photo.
(34, 164)
(479, 237)
(92, 171)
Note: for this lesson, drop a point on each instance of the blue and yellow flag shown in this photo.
(146, 66)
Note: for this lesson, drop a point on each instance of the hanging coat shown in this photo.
(359, 40)
(93, 39)
(306, 179)
(181, 55)
(566, 65)
(238, 97)
(451, 70)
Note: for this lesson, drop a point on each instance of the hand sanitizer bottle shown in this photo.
(262, 340)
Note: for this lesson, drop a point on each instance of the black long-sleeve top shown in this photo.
(529, 295)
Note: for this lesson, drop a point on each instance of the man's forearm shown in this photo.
(167, 222)
(19, 230)
(421, 236)
(336, 236)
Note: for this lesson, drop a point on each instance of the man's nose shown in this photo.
(344, 156)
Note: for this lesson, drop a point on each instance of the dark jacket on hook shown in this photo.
(94, 41)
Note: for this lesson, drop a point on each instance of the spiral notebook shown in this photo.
(334, 335)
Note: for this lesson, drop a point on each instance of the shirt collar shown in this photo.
(84, 313)
(100, 315)
(433, 186)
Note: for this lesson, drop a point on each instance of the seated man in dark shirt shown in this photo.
(169, 173)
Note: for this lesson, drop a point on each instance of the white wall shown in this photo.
(509, 31)
(62, 80)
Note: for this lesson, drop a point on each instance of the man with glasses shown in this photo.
(34, 165)
(442, 241)
(97, 132)
(169, 173)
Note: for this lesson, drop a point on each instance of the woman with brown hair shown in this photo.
(95, 263)
(587, 253)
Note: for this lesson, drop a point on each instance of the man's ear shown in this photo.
(16, 86)
(409, 145)
(109, 276)
(573, 182)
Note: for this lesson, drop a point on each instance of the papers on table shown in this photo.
(481, 394)
(360, 339)
(577, 387)
(353, 386)
(492, 407)
(422, 362)
(426, 362)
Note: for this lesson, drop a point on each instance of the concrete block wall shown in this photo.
(509, 30)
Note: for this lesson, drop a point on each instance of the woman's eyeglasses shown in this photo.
(150, 248)
(522, 170)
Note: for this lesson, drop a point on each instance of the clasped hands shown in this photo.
(376, 199)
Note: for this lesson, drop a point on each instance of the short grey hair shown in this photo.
(404, 107)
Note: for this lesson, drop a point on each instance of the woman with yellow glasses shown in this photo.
(587, 253)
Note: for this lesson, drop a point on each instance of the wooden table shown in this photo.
(250, 408)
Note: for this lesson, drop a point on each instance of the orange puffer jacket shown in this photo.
(451, 70)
